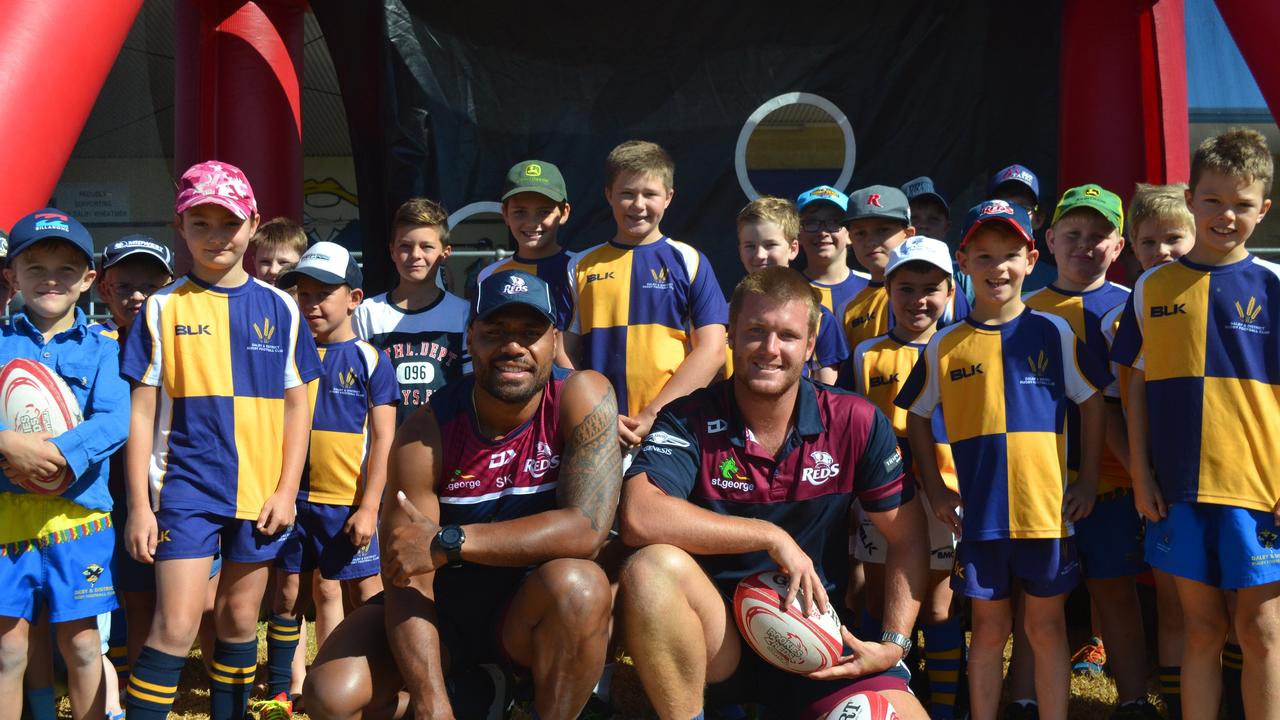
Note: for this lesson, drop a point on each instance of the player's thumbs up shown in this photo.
(405, 504)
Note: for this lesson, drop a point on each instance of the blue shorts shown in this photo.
(986, 569)
(199, 533)
(130, 575)
(317, 541)
(72, 577)
(1219, 545)
(1110, 539)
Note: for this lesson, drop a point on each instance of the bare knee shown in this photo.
(1257, 632)
(13, 653)
(1044, 630)
(286, 596)
(579, 593)
(80, 643)
(1205, 630)
(333, 694)
(651, 571)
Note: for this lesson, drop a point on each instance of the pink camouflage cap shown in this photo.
(219, 183)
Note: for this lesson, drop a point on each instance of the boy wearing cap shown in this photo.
(535, 205)
(1022, 367)
(1085, 238)
(918, 278)
(825, 243)
(353, 421)
(220, 423)
(1017, 185)
(878, 220)
(57, 548)
(930, 214)
(133, 268)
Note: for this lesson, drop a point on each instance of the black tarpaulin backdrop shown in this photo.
(442, 98)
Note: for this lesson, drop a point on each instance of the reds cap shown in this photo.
(46, 224)
(1015, 174)
(919, 247)
(328, 262)
(1012, 214)
(822, 193)
(508, 287)
(879, 201)
(535, 176)
(923, 187)
(131, 245)
(218, 183)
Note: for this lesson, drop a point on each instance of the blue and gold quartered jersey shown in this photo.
(1206, 340)
(222, 359)
(554, 271)
(1004, 391)
(836, 297)
(1084, 312)
(881, 367)
(635, 309)
(355, 378)
(868, 314)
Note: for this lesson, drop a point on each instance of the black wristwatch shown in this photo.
(898, 639)
(450, 539)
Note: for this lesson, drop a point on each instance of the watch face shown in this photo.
(450, 536)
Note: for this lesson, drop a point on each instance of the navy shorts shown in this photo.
(1110, 539)
(317, 541)
(130, 575)
(198, 533)
(1220, 545)
(986, 569)
(72, 577)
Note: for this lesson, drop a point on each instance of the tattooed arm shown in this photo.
(587, 493)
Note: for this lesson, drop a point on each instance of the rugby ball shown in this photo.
(786, 638)
(863, 706)
(36, 400)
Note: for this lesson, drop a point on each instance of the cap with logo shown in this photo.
(1096, 197)
(1015, 174)
(328, 262)
(535, 176)
(217, 183)
(924, 249)
(46, 224)
(923, 187)
(879, 201)
(131, 245)
(512, 287)
(987, 211)
(822, 193)
(4, 245)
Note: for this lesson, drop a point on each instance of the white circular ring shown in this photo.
(484, 206)
(841, 120)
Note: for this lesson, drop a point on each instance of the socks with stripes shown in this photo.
(153, 685)
(231, 679)
(282, 640)
(1171, 690)
(1232, 663)
(943, 657)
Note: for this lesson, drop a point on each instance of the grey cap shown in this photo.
(879, 201)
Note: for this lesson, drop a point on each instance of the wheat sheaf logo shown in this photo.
(266, 331)
(1249, 313)
(659, 274)
(348, 378)
(1039, 365)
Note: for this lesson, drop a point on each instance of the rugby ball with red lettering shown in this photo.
(787, 639)
(36, 400)
(863, 706)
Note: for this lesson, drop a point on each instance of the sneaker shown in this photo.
(1137, 710)
(1090, 659)
(276, 708)
(1020, 711)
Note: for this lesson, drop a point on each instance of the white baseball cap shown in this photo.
(919, 247)
(328, 262)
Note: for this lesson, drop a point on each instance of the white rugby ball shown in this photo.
(863, 706)
(787, 639)
(36, 400)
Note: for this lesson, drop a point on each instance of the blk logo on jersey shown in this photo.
(879, 380)
(592, 277)
(824, 468)
(861, 320)
(962, 373)
(1159, 311)
(191, 330)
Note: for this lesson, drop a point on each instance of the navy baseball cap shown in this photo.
(923, 187)
(328, 262)
(879, 201)
(822, 193)
(45, 224)
(511, 287)
(1009, 213)
(1016, 174)
(131, 245)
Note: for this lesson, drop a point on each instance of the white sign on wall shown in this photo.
(91, 202)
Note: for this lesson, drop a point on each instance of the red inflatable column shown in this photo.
(238, 95)
(56, 54)
(1254, 25)
(1163, 63)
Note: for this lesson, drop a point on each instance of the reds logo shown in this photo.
(825, 467)
(543, 462)
(996, 207)
(874, 199)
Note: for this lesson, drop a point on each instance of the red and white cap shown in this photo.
(218, 183)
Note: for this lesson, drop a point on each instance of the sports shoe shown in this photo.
(1090, 659)
(1137, 710)
(1019, 711)
(276, 708)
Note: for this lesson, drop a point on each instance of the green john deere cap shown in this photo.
(535, 176)
(1092, 196)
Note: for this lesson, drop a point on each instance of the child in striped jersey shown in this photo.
(648, 311)
(1003, 379)
(1204, 442)
(535, 205)
(420, 326)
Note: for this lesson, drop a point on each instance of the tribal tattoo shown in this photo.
(591, 476)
